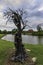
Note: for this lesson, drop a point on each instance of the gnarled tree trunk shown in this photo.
(20, 53)
(16, 16)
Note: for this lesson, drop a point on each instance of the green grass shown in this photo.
(36, 50)
(4, 48)
(1, 35)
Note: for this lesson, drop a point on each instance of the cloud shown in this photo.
(33, 7)
(18, 3)
(36, 14)
(1, 7)
(41, 8)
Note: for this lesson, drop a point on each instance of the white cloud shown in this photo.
(1, 14)
(1, 7)
(31, 2)
(41, 8)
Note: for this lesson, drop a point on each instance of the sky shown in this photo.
(34, 9)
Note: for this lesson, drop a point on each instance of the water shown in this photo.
(26, 39)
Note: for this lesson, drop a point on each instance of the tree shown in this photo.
(0, 31)
(19, 19)
(5, 31)
(14, 31)
(39, 28)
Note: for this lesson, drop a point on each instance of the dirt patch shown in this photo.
(8, 61)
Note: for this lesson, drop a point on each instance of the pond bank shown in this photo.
(2, 35)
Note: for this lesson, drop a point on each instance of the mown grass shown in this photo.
(4, 48)
(36, 50)
(1, 35)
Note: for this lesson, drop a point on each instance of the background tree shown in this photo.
(0, 31)
(39, 28)
(5, 31)
(19, 19)
(14, 31)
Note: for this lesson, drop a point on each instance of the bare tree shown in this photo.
(19, 19)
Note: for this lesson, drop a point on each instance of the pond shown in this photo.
(26, 39)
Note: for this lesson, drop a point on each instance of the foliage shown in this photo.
(14, 31)
(38, 33)
(0, 31)
(4, 32)
(39, 28)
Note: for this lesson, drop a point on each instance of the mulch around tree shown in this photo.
(8, 61)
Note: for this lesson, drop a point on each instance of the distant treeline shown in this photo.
(38, 33)
(35, 33)
(8, 32)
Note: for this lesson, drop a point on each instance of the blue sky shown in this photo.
(33, 7)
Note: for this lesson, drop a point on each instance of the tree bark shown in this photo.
(20, 53)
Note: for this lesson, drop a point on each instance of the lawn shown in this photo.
(36, 50)
(1, 35)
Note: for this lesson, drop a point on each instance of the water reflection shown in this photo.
(26, 39)
(40, 39)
